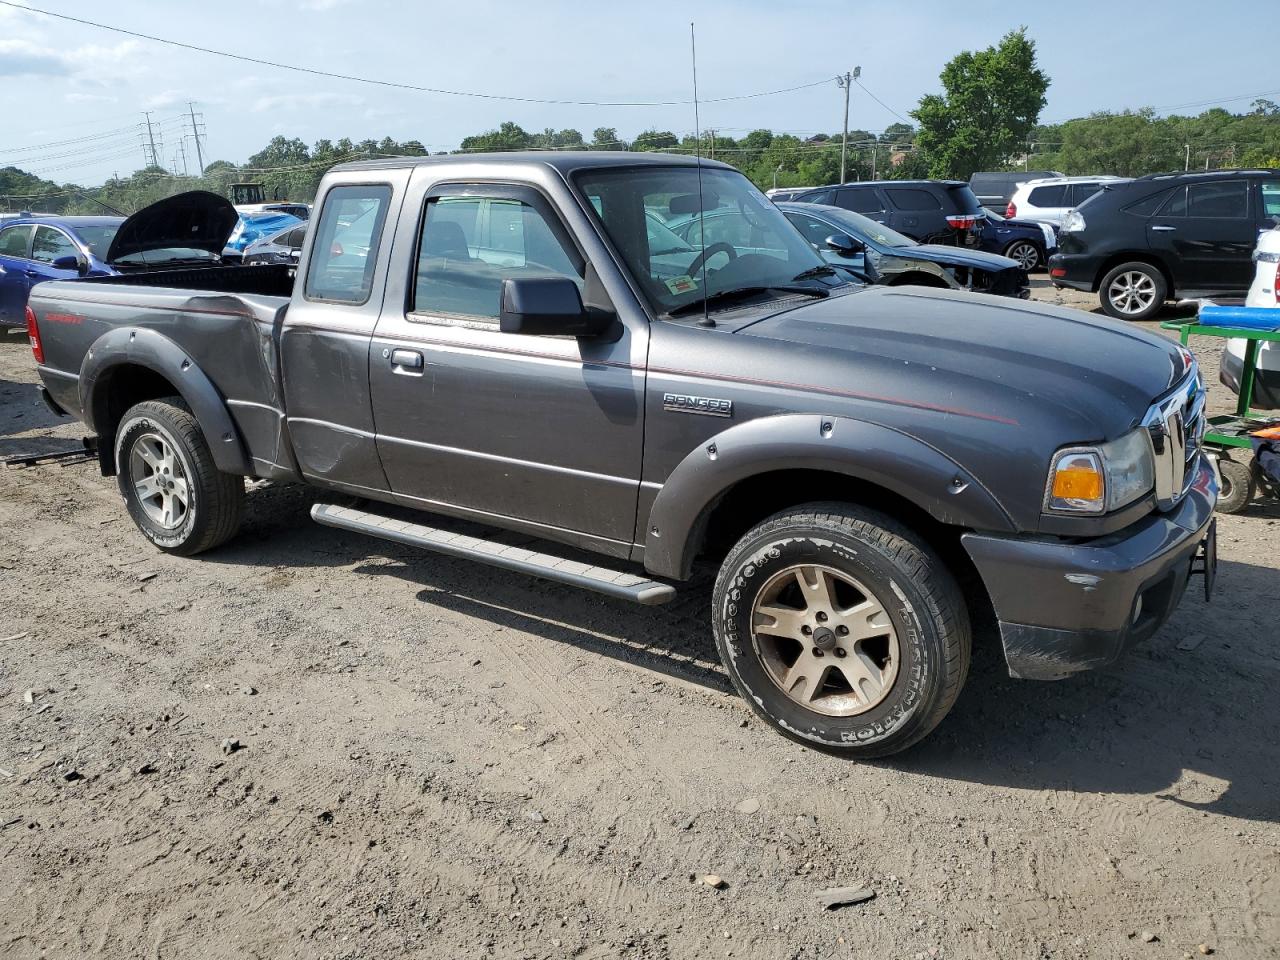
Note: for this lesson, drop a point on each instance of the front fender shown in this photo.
(144, 347)
(869, 452)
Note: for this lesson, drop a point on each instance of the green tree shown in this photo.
(655, 140)
(508, 136)
(606, 138)
(990, 104)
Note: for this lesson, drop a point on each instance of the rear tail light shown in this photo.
(1011, 210)
(33, 334)
(1058, 272)
(963, 221)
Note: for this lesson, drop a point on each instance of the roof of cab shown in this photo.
(565, 161)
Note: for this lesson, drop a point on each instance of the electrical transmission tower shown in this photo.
(197, 132)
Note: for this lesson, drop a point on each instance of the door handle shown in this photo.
(407, 359)
(1163, 228)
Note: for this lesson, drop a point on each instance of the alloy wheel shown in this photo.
(1025, 253)
(159, 480)
(1132, 292)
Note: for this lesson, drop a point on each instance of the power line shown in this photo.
(881, 102)
(392, 84)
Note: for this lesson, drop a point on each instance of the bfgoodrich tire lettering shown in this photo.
(206, 503)
(921, 600)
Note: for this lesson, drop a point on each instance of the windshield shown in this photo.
(749, 243)
(97, 239)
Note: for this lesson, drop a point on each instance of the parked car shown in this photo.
(845, 238)
(847, 455)
(1263, 292)
(176, 234)
(1140, 242)
(1050, 199)
(1029, 242)
(251, 227)
(994, 189)
(283, 246)
(931, 211)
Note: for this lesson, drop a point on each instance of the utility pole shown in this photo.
(151, 137)
(845, 82)
(182, 150)
(776, 171)
(711, 135)
(1187, 165)
(195, 132)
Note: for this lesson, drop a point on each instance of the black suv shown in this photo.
(931, 211)
(1164, 236)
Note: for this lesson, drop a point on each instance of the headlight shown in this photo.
(1100, 479)
(1073, 222)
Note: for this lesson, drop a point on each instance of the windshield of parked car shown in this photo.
(97, 239)
(659, 220)
(878, 233)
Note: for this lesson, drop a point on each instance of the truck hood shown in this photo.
(949, 256)
(197, 220)
(1010, 358)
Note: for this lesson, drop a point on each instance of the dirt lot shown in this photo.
(440, 760)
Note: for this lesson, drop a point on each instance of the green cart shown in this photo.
(1226, 438)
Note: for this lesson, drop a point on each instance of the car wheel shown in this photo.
(1237, 485)
(173, 490)
(1026, 253)
(842, 629)
(1133, 291)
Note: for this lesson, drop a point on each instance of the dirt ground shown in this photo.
(443, 761)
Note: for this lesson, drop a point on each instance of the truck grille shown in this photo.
(1176, 425)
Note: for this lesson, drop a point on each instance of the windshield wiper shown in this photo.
(742, 293)
(821, 270)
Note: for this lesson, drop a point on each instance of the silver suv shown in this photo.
(1049, 199)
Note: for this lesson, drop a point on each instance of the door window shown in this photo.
(815, 231)
(346, 248)
(1271, 199)
(1080, 192)
(860, 201)
(50, 244)
(469, 245)
(14, 240)
(911, 199)
(1219, 200)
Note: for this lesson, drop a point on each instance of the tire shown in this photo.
(1133, 291)
(881, 581)
(1028, 255)
(1238, 485)
(161, 454)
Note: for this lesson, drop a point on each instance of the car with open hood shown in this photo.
(179, 231)
(517, 341)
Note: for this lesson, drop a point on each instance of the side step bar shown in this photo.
(613, 583)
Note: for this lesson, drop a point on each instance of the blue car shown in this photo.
(35, 249)
(1030, 242)
(253, 227)
(179, 231)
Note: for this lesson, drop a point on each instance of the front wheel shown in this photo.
(1026, 253)
(173, 490)
(841, 629)
(1133, 291)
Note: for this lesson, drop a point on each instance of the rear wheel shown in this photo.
(842, 629)
(1133, 291)
(1238, 485)
(173, 490)
(1026, 253)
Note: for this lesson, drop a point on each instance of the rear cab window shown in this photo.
(347, 239)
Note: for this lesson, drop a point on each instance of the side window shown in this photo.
(469, 245)
(1270, 200)
(823, 196)
(1080, 192)
(1176, 205)
(346, 247)
(1227, 200)
(14, 240)
(295, 237)
(815, 231)
(911, 199)
(50, 244)
(860, 201)
(1146, 206)
(1054, 196)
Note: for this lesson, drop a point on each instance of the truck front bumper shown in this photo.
(1064, 606)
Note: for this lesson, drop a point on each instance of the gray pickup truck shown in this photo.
(519, 340)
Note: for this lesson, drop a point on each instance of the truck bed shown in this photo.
(272, 280)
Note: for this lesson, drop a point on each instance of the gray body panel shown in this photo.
(954, 401)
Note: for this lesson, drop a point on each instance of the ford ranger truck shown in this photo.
(520, 340)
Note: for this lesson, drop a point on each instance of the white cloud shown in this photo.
(299, 101)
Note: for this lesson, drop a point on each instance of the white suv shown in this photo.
(1048, 200)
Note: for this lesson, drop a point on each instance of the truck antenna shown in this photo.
(706, 320)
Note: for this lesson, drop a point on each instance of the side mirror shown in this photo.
(844, 245)
(548, 307)
(71, 262)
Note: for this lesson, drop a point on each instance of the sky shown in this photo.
(75, 95)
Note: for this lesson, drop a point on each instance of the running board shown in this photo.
(613, 583)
